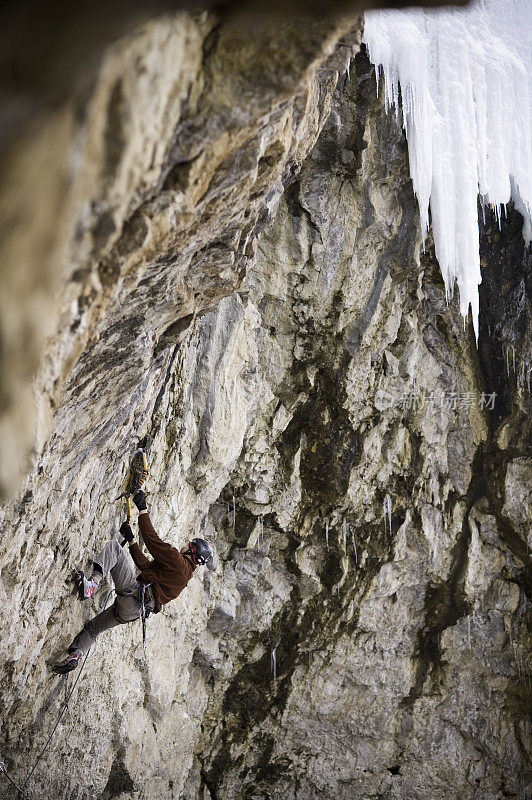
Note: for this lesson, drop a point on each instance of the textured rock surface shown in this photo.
(365, 633)
(152, 186)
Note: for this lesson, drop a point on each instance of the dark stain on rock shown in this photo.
(109, 270)
(99, 359)
(119, 780)
(445, 601)
(505, 296)
(398, 252)
(133, 234)
(114, 136)
(244, 521)
(103, 229)
(329, 446)
(297, 631)
(495, 467)
(234, 169)
(173, 334)
(273, 156)
(298, 211)
(178, 177)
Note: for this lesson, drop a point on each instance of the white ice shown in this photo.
(387, 511)
(274, 662)
(462, 77)
(344, 532)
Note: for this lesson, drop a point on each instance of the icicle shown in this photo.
(469, 630)
(465, 138)
(354, 547)
(327, 533)
(234, 512)
(274, 664)
(344, 531)
(387, 510)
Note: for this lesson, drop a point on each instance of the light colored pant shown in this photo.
(126, 607)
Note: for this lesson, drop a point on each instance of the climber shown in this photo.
(164, 578)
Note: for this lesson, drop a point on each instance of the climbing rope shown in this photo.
(59, 718)
(143, 615)
(3, 768)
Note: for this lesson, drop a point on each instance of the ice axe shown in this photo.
(138, 472)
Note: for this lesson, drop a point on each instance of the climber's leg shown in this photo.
(110, 559)
(126, 608)
(113, 559)
(92, 628)
(86, 638)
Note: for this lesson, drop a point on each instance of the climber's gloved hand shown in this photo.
(127, 533)
(139, 499)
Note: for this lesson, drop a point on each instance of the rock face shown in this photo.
(327, 424)
(173, 165)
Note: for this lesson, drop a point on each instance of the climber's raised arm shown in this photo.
(162, 552)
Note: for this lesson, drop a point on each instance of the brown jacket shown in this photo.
(168, 573)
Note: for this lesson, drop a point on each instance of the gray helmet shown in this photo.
(201, 550)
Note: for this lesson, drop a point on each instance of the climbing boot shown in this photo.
(69, 663)
(86, 586)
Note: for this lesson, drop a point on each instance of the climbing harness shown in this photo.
(144, 613)
(68, 696)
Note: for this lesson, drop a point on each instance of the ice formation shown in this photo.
(461, 80)
(354, 547)
(387, 509)
(274, 662)
(344, 532)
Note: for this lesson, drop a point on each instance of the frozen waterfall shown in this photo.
(461, 78)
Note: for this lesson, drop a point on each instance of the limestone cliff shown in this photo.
(248, 286)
